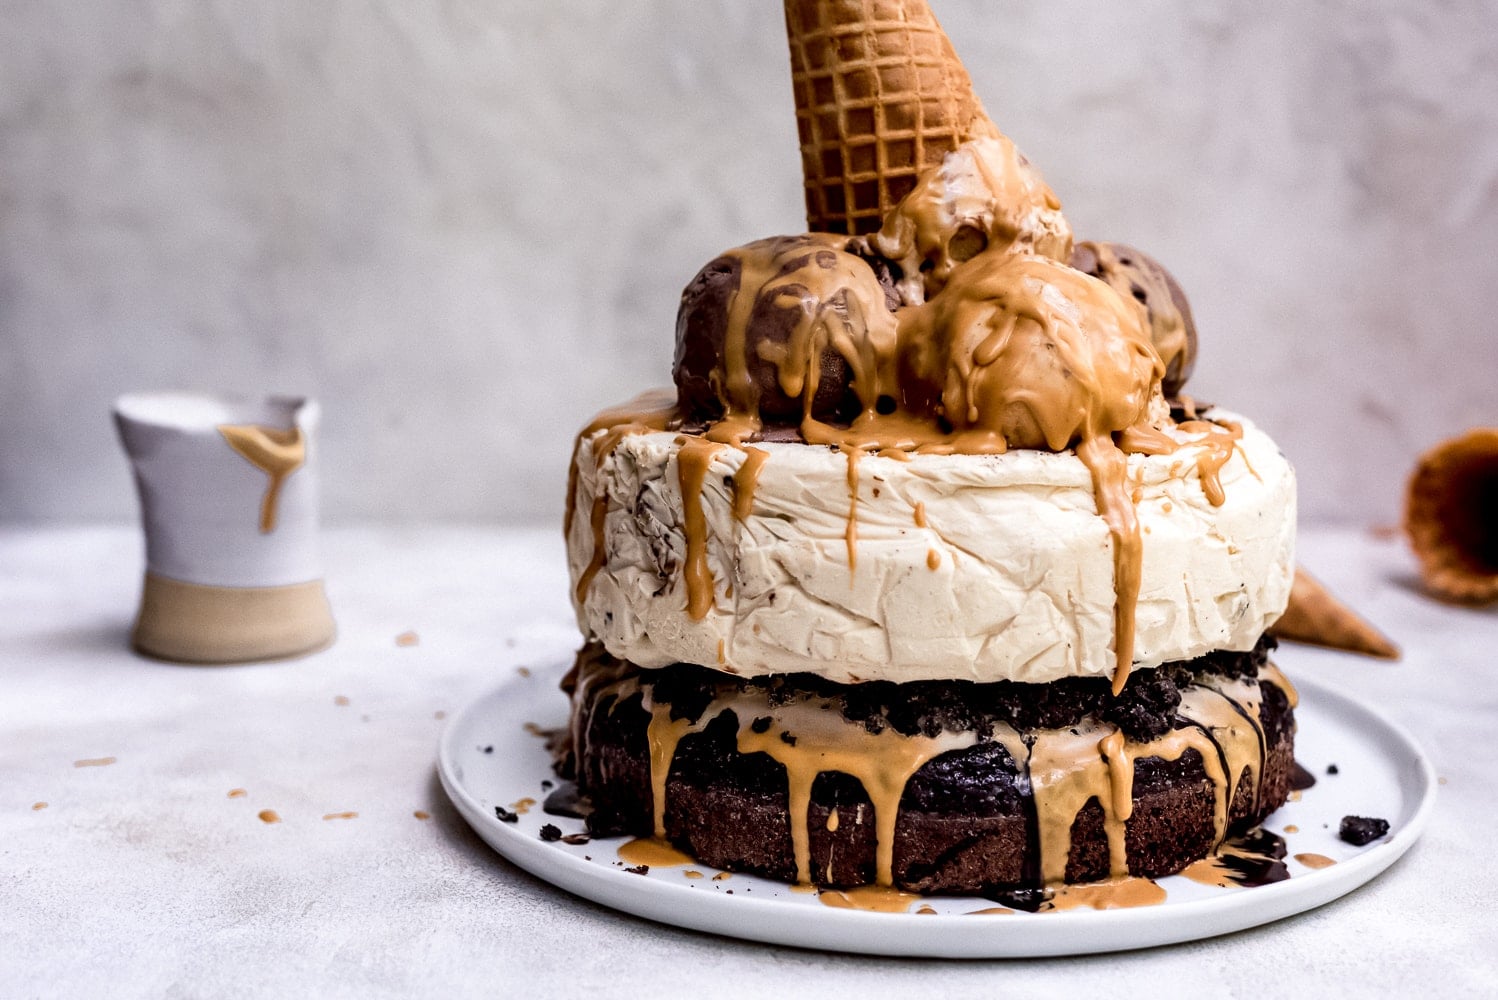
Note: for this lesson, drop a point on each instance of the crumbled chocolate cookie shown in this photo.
(1360, 830)
(551, 833)
(1144, 710)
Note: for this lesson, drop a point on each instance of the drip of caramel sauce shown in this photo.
(269, 816)
(275, 451)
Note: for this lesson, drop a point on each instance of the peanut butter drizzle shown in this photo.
(1217, 443)
(653, 410)
(882, 762)
(746, 480)
(1108, 467)
(850, 534)
(1221, 724)
(1272, 673)
(656, 853)
(920, 514)
(933, 560)
(692, 463)
(1113, 894)
(597, 520)
(874, 898)
(275, 451)
(1066, 768)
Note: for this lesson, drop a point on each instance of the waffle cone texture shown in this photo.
(880, 97)
(1451, 517)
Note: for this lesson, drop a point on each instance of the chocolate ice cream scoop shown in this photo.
(767, 327)
(1140, 276)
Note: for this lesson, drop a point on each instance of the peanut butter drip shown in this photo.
(984, 196)
(1215, 444)
(745, 480)
(1066, 768)
(824, 302)
(808, 739)
(275, 451)
(851, 533)
(653, 410)
(692, 463)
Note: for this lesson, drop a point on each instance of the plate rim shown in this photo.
(909, 934)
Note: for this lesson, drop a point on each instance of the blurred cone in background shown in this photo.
(1451, 517)
(1316, 617)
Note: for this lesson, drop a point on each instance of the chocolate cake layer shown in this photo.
(982, 789)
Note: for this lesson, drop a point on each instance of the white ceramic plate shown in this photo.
(491, 756)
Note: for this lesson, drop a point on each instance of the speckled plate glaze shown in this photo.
(491, 755)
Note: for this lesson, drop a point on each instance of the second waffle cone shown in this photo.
(880, 97)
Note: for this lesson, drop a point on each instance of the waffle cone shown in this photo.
(1451, 517)
(880, 96)
(1315, 616)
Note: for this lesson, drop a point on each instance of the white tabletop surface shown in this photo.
(143, 877)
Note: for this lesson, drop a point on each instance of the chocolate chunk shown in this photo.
(505, 816)
(1332, 769)
(1360, 830)
(551, 833)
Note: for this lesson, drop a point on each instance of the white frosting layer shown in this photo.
(1022, 587)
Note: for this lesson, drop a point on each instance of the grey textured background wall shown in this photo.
(465, 225)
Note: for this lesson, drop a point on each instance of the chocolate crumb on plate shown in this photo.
(576, 839)
(505, 816)
(639, 870)
(551, 833)
(1360, 830)
(1333, 769)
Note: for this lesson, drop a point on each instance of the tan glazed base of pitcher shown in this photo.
(194, 623)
